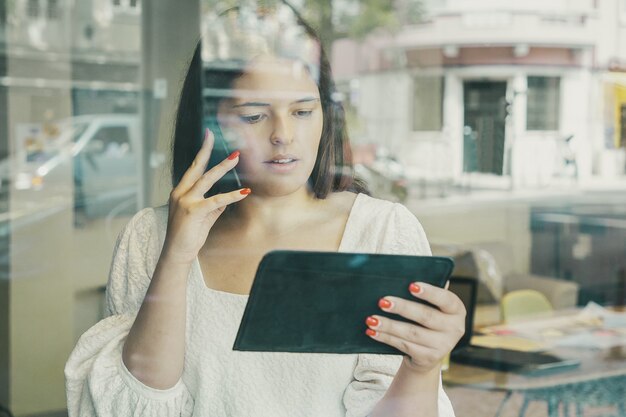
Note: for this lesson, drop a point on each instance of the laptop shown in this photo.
(505, 360)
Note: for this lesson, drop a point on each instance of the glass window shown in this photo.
(53, 9)
(543, 109)
(79, 129)
(130, 6)
(111, 140)
(32, 9)
(91, 99)
(427, 103)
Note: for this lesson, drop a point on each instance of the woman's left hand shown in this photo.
(432, 332)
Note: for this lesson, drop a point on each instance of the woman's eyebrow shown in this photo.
(261, 104)
(251, 104)
(305, 100)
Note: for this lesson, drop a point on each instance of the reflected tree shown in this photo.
(335, 19)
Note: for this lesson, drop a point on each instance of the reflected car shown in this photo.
(104, 151)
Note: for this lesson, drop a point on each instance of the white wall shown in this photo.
(385, 108)
(537, 6)
(537, 156)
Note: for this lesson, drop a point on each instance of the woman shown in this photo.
(181, 274)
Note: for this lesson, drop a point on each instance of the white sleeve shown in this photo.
(97, 382)
(373, 374)
(404, 234)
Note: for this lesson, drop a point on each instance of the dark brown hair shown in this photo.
(333, 169)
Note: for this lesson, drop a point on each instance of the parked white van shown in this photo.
(105, 154)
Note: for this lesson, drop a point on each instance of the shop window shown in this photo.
(427, 103)
(32, 9)
(543, 103)
(54, 11)
(126, 6)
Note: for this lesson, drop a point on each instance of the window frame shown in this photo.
(126, 7)
(53, 9)
(414, 85)
(545, 127)
(32, 9)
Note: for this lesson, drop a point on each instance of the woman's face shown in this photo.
(275, 119)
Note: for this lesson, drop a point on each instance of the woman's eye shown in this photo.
(252, 118)
(303, 113)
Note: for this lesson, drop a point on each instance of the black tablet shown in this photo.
(318, 301)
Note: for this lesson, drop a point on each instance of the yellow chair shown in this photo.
(520, 304)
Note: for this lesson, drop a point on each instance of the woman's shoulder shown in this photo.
(342, 200)
(149, 216)
(145, 224)
(360, 202)
(373, 209)
(392, 225)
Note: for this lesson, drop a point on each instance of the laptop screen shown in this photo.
(465, 289)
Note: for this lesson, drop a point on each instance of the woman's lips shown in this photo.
(282, 167)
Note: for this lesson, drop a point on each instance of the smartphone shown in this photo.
(221, 150)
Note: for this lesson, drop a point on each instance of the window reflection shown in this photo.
(503, 131)
(428, 97)
(105, 166)
(543, 105)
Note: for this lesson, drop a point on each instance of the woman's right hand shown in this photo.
(191, 216)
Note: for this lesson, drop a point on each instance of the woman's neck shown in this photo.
(270, 214)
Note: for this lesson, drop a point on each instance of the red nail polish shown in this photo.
(233, 155)
(245, 191)
(370, 332)
(371, 321)
(206, 133)
(414, 288)
(384, 303)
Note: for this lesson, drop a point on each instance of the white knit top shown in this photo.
(217, 381)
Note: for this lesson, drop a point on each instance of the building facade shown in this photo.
(522, 95)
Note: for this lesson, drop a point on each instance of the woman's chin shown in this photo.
(278, 188)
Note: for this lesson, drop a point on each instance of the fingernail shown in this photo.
(245, 191)
(414, 288)
(233, 155)
(372, 321)
(370, 332)
(384, 303)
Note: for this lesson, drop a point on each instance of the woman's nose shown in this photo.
(283, 131)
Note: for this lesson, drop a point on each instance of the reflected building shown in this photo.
(61, 61)
(496, 94)
(90, 47)
(64, 59)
